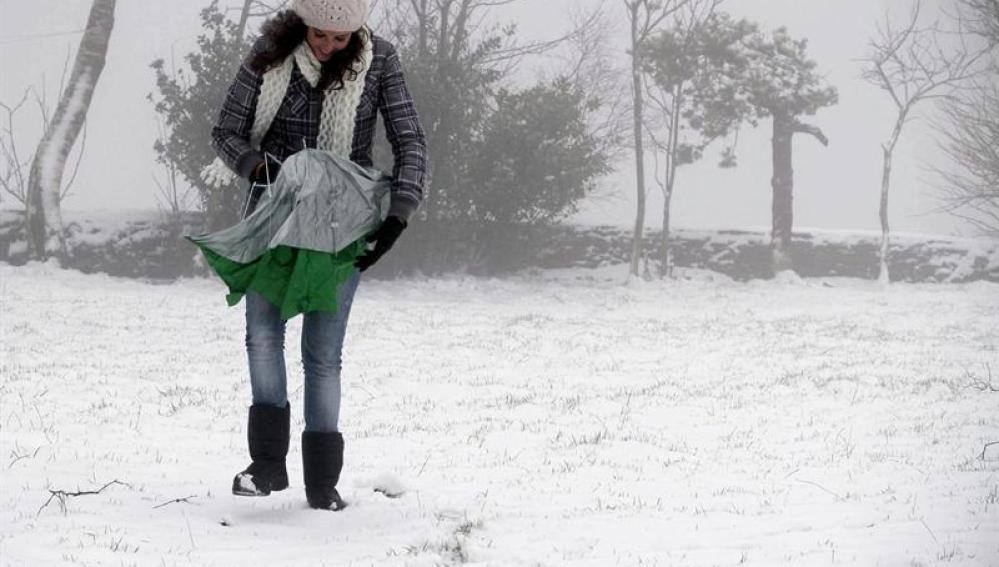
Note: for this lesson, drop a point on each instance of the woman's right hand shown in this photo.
(266, 172)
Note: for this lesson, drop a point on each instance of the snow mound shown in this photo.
(788, 277)
(701, 275)
(389, 484)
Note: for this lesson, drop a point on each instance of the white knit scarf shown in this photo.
(336, 125)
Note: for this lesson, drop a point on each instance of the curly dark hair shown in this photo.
(286, 30)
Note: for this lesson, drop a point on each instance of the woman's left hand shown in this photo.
(384, 238)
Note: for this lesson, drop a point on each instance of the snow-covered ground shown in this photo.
(558, 418)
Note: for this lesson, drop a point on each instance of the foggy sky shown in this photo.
(836, 187)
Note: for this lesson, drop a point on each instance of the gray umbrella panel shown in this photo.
(319, 202)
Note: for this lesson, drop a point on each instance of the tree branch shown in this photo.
(811, 130)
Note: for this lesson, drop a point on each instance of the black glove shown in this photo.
(266, 171)
(384, 238)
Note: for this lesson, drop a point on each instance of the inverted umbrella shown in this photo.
(299, 244)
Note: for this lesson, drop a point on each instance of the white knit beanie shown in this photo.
(333, 15)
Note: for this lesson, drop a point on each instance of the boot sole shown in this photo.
(331, 507)
(238, 490)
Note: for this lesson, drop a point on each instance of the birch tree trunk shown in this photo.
(665, 249)
(888, 150)
(44, 219)
(638, 240)
(883, 276)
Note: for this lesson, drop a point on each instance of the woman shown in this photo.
(316, 78)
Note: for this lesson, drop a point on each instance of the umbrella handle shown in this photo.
(270, 192)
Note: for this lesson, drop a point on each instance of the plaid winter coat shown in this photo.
(296, 125)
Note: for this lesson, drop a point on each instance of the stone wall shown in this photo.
(151, 245)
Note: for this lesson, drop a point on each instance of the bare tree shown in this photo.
(14, 175)
(970, 132)
(644, 18)
(591, 67)
(970, 127)
(693, 70)
(256, 9)
(912, 67)
(44, 219)
(981, 18)
(172, 197)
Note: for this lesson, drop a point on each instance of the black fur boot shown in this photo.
(322, 461)
(268, 434)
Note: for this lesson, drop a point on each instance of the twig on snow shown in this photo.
(427, 460)
(62, 495)
(985, 384)
(190, 533)
(815, 484)
(985, 448)
(18, 456)
(933, 535)
(184, 499)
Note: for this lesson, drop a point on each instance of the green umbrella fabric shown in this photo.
(300, 243)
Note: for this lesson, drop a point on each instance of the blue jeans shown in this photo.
(322, 345)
